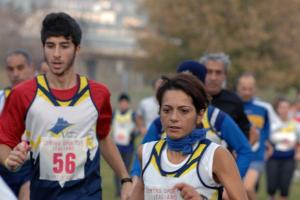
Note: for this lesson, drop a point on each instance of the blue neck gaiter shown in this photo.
(185, 144)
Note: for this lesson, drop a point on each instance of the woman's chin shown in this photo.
(174, 136)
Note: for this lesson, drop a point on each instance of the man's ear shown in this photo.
(77, 49)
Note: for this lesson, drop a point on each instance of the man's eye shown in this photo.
(9, 69)
(21, 67)
(50, 46)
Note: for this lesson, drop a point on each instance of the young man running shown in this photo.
(67, 120)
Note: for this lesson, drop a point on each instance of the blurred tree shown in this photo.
(260, 36)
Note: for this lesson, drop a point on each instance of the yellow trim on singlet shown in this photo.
(44, 96)
(290, 128)
(196, 154)
(90, 142)
(258, 121)
(159, 145)
(154, 163)
(215, 196)
(205, 121)
(83, 97)
(83, 84)
(7, 91)
(123, 118)
(206, 124)
(64, 103)
(42, 81)
(35, 144)
(27, 134)
(158, 148)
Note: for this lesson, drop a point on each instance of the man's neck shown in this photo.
(65, 81)
(214, 94)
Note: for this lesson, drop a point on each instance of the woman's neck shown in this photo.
(284, 118)
(175, 157)
(65, 81)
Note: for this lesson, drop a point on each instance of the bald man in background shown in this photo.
(263, 117)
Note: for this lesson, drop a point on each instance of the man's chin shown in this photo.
(58, 72)
(213, 91)
(15, 83)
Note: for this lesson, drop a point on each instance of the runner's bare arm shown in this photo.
(112, 156)
(225, 172)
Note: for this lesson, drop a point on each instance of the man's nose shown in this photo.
(213, 76)
(57, 52)
(16, 73)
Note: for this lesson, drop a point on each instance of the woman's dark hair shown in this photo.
(61, 24)
(187, 83)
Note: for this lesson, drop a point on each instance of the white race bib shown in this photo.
(122, 135)
(161, 193)
(62, 159)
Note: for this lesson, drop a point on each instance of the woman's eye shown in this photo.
(184, 111)
(166, 110)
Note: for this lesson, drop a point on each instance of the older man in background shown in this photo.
(19, 68)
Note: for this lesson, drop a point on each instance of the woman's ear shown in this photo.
(200, 116)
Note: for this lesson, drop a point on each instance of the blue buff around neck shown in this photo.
(185, 144)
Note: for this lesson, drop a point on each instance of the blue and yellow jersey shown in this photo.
(259, 117)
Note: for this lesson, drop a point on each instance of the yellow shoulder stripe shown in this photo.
(42, 81)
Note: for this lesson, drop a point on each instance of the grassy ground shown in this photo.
(109, 191)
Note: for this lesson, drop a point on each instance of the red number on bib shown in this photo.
(57, 160)
(59, 163)
(70, 164)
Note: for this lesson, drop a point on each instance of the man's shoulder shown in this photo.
(98, 87)
(216, 115)
(25, 86)
(263, 104)
(212, 109)
(230, 96)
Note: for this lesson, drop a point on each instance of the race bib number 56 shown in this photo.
(62, 159)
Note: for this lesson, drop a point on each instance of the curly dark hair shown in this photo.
(187, 83)
(61, 24)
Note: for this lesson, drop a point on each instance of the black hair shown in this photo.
(187, 83)
(61, 24)
(124, 96)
